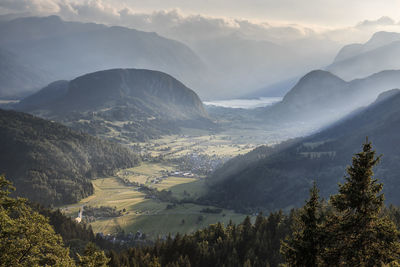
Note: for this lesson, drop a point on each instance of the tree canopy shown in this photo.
(26, 238)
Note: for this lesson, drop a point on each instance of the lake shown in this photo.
(244, 103)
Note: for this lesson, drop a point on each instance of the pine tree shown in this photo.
(356, 233)
(93, 257)
(303, 247)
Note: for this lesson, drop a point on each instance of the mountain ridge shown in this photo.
(279, 178)
(320, 97)
(361, 60)
(44, 42)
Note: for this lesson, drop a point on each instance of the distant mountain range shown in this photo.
(136, 103)
(280, 177)
(321, 98)
(18, 78)
(63, 50)
(238, 65)
(381, 52)
(52, 164)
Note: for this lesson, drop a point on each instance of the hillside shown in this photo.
(360, 60)
(320, 98)
(16, 77)
(64, 50)
(134, 102)
(51, 164)
(279, 178)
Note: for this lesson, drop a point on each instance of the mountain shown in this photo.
(280, 177)
(48, 94)
(64, 50)
(16, 77)
(238, 64)
(359, 60)
(278, 89)
(377, 40)
(320, 97)
(135, 102)
(52, 164)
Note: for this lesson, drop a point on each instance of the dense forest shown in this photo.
(353, 228)
(52, 164)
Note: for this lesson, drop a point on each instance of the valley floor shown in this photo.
(179, 164)
(175, 163)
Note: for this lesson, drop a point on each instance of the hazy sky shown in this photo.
(343, 21)
(320, 12)
(312, 12)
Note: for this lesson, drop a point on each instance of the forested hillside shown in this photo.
(52, 164)
(270, 179)
(135, 103)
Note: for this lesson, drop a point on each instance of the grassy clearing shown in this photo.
(147, 215)
(184, 218)
(146, 172)
(193, 189)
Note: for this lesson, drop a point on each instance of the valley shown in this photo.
(176, 164)
(156, 137)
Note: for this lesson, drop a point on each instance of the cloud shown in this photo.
(170, 22)
(362, 31)
(89, 10)
(33, 6)
(383, 21)
(189, 28)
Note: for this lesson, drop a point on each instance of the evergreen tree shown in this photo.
(356, 233)
(303, 247)
(93, 257)
(26, 238)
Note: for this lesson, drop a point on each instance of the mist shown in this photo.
(231, 57)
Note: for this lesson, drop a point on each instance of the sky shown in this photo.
(325, 13)
(342, 21)
(328, 13)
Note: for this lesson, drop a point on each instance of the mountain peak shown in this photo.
(101, 87)
(314, 82)
(318, 74)
(382, 38)
(149, 92)
(377, 40)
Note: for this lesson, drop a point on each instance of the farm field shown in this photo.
(151, 216)
(179, 145)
